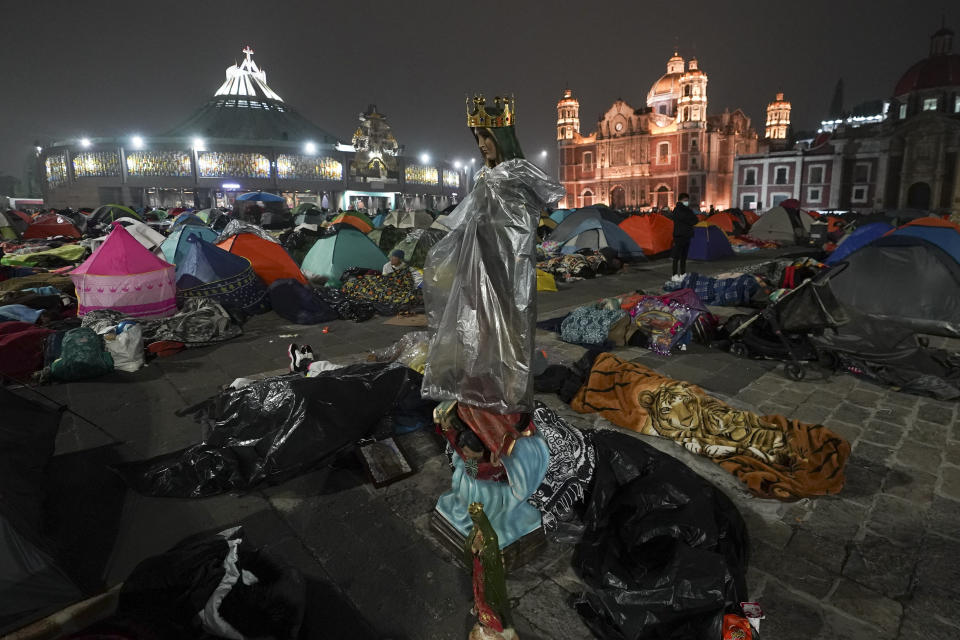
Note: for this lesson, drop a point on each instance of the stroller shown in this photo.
(782, 331)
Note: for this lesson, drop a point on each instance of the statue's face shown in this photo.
(488, 146)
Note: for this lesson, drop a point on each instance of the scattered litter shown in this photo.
(288, 335)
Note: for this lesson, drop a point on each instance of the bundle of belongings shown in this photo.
(749, 286)
(389, 293)
(574, 266)
(218, 584)
(747, 244)
(774, 456)
(271, 430)
(660, 323)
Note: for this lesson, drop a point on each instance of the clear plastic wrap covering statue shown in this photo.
(480, 280)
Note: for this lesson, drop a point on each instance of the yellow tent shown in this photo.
(545, 281)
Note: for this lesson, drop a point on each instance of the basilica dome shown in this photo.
(940, 69)
(665, 91)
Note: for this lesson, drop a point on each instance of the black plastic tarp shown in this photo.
(664, 554)
(277, 428)
(31, 583)
(889, 353)
(904, 279)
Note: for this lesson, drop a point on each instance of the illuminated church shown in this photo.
(645, 157)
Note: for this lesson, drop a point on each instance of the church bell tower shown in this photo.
(692, 104)
(778, 119)
(568, 116)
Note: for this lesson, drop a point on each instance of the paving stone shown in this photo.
(775, 533)
(863, 482)
(788, 616)
(811, 414)
(863, 398)
(883, 433)
(792, 397)
(839, 625)
(917, 627)
(849, 432)
(835, 519)
(831, 553)
(952, 453)
(547, 610)
(950, 482)
(935, 413)
(911, 485)
(894, 414)
(869, 606)
(915, 455)
(771, 383)
(943, 517)
(881, 564)
(871, 453)
(933, 602)
(928, 433)
(897, 519)
(900, 399)
(825, 399)
(938, 568)
(774, 409)
(754, 397)
(847, 412)
(801, 574)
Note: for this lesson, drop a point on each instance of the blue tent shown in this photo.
(860, 237)
(175, 247)
(378, 219)
(709, 243)
(260, 196)
(208, 271)
(560, 215)
(946, 238)
(596, 234)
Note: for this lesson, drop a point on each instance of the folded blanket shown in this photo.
(775, 457)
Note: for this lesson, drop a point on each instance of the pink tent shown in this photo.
(125, 276)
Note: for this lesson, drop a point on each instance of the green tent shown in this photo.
(332, 255)
(304, 207)
(7, 230)
(68, 253)
(416, 245)
(387, 237)
(110, 213)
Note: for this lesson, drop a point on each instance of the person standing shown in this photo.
(684, 220)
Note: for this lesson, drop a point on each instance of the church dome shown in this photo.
(940, 69)
(667, 88)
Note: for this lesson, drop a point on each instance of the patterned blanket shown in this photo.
(394, 289)
(738, 291)
(775, 457)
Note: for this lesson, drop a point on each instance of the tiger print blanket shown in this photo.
(775, 457)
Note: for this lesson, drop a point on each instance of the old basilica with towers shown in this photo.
(641, 157)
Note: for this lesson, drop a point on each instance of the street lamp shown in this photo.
(136, 142)
(456, 164)
(198, 144)
(310, 148)
(543, 154)
(425, 158)
(85, 143)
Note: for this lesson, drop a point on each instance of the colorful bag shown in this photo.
(82, 355)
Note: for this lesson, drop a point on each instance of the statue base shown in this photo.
(515, 555)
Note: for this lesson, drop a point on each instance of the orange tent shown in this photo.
(835, 224)
(353, 220)
(653, 232)
(270, 261)
(722, 220)
(929, 221)
(50, 225)
(751, 216)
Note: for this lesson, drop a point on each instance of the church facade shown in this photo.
(645, 157)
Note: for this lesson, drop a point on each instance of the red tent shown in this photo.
(23, 216)
(49, 225)
(722, 220)
(653, 232)
(751, 216)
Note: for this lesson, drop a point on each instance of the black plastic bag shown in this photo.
(275, 429)
(664, 554)
(218, 583)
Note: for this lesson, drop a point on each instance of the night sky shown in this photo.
(106, 68)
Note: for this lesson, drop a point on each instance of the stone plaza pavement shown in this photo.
(880, 560)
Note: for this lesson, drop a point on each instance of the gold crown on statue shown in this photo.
(501, 114)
